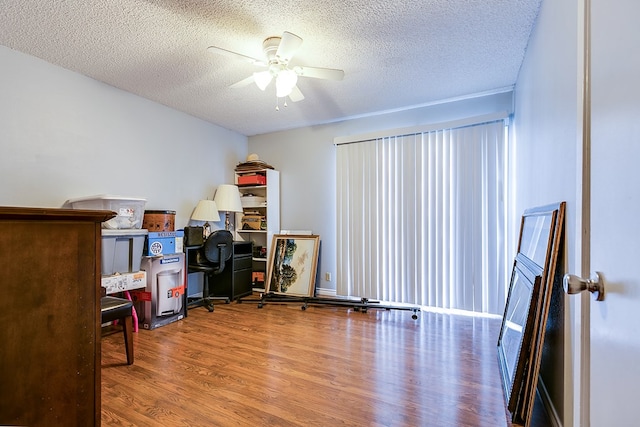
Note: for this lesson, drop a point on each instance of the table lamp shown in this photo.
(227, 199)
(206, 210)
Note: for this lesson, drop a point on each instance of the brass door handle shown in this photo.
(573, 284)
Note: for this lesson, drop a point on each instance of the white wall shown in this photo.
(63, 135)
(306, 160)
(547, 128)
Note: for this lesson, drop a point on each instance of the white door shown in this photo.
(615, 212)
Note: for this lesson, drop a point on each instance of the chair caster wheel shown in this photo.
(303, 308)
(414, 316)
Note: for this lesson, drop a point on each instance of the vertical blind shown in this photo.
(421, 219)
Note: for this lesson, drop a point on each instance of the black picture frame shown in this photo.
(541, 229)
(517, 326)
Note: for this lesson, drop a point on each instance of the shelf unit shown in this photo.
(269, 209)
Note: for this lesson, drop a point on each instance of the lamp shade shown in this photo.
(206, 210)
(262, 79)
(227, 198)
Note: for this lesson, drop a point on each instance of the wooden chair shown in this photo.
(113, 308)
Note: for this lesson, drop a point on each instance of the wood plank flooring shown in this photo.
(325, 366)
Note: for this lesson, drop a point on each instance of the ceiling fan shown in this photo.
(278, 52)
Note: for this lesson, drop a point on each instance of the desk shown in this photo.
(235, 280)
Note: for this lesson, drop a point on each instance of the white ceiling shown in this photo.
(395, 54)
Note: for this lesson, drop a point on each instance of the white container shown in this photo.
(129, 210)
(253, 201)
(122, 251)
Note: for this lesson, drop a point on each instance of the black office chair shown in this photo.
(211, 260)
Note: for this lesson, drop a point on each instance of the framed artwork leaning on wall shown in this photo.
(291, 269)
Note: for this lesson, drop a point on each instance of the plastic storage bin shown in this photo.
(122, 251)
(129, 210)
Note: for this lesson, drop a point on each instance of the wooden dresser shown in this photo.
(50, 316)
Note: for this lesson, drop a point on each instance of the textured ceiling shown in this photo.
(395, 54)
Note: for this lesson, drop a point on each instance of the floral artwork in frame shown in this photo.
(292, 265)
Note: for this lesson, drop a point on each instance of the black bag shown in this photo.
(193, 236)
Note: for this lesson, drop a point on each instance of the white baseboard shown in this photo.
(324, 292)
(548, 404)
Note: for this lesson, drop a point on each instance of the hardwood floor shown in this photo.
(326, 366)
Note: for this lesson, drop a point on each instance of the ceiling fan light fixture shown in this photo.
(285, 82)
(262, 79)
(278, 52)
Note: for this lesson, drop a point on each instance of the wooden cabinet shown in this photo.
(50, 316)
(263, 201)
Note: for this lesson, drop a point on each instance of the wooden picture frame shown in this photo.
(292, 265)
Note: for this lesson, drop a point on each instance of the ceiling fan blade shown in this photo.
(319, 73)
(225, 52)
(296, 95)
(243, 82)
(289, 45)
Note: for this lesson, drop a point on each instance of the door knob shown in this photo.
(574, 284)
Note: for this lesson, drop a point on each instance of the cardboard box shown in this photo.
(252, 179)
(159, 220)
(164, 242)
(257, 278)
(162, 300)
(253, 222)
(124, 282)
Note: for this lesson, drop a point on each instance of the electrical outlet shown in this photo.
(327, 276)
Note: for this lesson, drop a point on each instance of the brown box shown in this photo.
(252, 179)
(253, 222)
(159, 220)
(257, 277)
